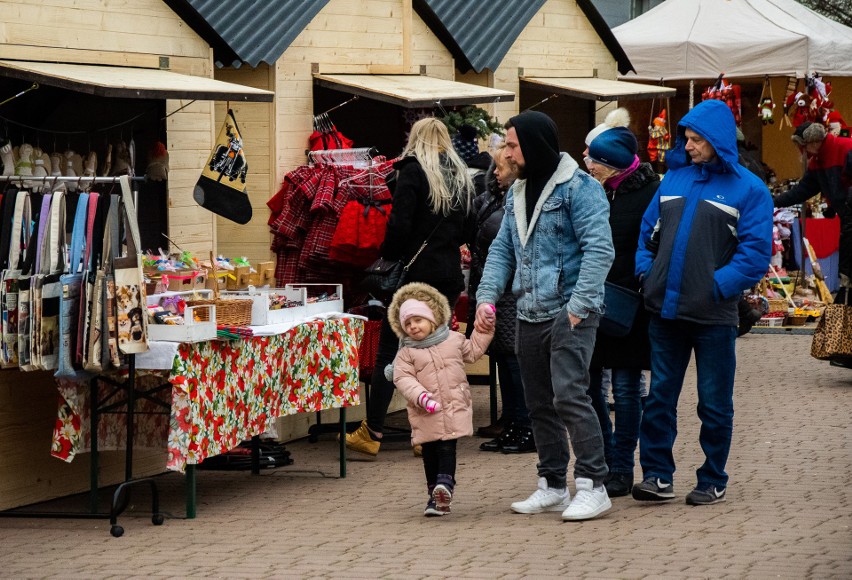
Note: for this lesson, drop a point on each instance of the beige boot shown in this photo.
(361, 442)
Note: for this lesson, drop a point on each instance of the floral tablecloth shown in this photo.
(224, 392)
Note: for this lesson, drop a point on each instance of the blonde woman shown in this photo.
(432, 199)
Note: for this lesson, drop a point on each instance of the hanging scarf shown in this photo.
(441, 334)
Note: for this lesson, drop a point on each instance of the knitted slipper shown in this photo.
(8, 159)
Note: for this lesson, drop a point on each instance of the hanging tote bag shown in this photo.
(621, 306)
(833, 334)
(26, 285)
(48, 288)
(94, 246)
(131, 309)
(69, 305)
(20, 239)
(97, 351)
(221, 187)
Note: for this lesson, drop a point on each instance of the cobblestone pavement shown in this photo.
(788, 512)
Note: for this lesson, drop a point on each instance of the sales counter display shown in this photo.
(226, 391)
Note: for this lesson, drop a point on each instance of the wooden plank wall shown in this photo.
(558, 41)
(120, 33)
(257, 128)
(345, 37)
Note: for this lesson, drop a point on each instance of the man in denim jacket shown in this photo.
(555, 237)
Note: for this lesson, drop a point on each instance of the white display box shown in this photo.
(201, 293)
(324, 306)
(191, 330)
(262, 299)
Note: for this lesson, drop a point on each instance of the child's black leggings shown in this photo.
(439, 462)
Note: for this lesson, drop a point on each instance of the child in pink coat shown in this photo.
(429, 370)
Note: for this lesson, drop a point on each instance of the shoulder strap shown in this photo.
(78, 233)
(44, 218)
(423, 245)
(55, 248)
(92, 212)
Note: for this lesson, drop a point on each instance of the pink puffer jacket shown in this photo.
(438, 369)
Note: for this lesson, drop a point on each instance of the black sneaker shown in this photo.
(705, 494)
(431, 509)
(618, 484)
(653, 489)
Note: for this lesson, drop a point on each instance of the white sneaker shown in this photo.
(589, 501)
(544, 499)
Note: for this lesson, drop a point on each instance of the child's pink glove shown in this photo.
(428, 403)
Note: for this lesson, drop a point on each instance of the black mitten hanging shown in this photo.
(221, 187)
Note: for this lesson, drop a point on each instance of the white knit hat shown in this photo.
(619, 117)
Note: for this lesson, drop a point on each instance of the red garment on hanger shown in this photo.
(824, 235)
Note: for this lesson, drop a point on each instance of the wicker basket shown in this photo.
(778, 305)
(233, 312)
(795, 320)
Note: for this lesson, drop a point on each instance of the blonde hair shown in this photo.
(604, 172)
(450, 185)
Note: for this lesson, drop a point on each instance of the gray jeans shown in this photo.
(554, 363)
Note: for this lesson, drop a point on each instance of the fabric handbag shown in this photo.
(620, 308)
(221, 187)
(384, 277)
(47, 288)
(130, 308)
(20, 239)
(94, 246)
(71, 283)
(833, 334)
(26, 285)
(97, 355)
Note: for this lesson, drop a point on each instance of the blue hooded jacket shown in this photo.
(707, 234)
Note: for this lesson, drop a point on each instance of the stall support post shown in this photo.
(342, 442)
(190, 492)
(255, 455)
(93, 454)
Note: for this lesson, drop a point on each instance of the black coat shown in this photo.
(626, 207)
(488, 213)
(411, 221)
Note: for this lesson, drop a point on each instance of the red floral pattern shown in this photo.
(225, 392)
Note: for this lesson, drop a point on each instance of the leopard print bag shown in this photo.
(833, 334)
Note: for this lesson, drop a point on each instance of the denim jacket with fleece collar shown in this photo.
(563, 256)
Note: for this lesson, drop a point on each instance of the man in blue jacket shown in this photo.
(555, 244)
(705, 238)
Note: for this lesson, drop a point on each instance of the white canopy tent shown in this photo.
(699, 39)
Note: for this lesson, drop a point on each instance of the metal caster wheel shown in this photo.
(116, 531)
(157, 519)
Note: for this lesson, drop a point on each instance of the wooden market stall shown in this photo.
(90, 74)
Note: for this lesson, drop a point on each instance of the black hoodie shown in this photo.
(539, 140)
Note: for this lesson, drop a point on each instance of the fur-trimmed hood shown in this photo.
(436, 301)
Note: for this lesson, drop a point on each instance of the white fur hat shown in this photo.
(619, 117)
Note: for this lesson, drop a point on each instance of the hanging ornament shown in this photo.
(659, 139)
